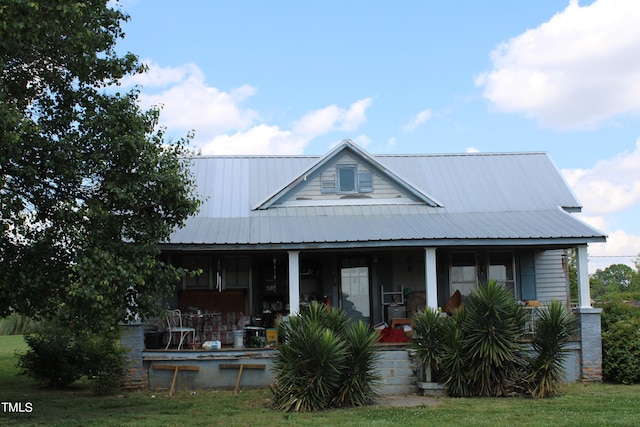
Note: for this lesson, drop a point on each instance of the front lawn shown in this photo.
(596, 404)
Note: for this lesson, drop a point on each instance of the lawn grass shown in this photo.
(596, 404)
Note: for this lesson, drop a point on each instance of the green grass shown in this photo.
(597, 404)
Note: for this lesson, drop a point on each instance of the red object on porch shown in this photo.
(392, 335)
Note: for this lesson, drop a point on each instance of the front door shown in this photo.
(354, 293)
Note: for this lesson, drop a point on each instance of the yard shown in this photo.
(595, 404)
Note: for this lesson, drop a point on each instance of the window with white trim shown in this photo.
(346, 179)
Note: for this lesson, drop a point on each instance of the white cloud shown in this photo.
(610, 188)
(574, 71)
(261, 139)
(418, 120)
(223, 125)
(333, 118)
(472, 150)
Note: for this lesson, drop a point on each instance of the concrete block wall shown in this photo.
(133, 340)
(590, 332)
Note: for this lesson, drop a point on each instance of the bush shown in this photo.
(324, 361)
(57, 357)
(477, 351)
(620, 343)
(429, 340)
(54, 358)
(105, 363)
(491, 330)
(554, 329)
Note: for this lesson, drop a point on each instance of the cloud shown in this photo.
(222, 124)
(261, 139)
(575, 71)
(611, 187)
(418, 120)
(189, 103)
(333, 118)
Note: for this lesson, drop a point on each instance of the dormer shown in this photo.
(347, 176)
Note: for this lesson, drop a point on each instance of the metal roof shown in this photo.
(486, 199)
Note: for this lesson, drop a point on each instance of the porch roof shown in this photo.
(385, 226)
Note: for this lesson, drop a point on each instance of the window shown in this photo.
(463, 273)
(501, 269)
(200, 266)
(347, 179)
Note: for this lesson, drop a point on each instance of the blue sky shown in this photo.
(291, 77)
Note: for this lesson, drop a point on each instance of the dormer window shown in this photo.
(346, 179)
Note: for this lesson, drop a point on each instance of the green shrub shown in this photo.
(54, 358)
(554, 329)
(620, 343)
(491, 329)
(57, 357)
(324, 361)
(428, 340)
(105, 363)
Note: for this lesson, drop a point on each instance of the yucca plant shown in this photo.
(308, 366)
(491, 330)
(454, 357)
(324, 361)
(428, 339)
(359, 379)
(554, 329)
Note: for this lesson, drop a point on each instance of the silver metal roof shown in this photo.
(487, 199)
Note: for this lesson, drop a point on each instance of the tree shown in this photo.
(88, 184)
(615, 279)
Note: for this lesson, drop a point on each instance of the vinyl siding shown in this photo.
(551, 279)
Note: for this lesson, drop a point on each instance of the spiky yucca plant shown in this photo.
(492, 327)
(428, 339)
(359, 378)
(554, 329)
(324, 361)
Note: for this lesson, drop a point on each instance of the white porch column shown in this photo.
(294, 282)
(584, 294)
(431, 278)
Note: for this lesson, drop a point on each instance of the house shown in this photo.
(379, 236)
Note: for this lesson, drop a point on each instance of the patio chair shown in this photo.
(174, 326)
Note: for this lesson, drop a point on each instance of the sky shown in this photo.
(296, 77)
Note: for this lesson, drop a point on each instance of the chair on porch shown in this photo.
(174, 326)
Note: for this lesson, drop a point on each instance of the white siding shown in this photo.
(551, 278)
(382, 189)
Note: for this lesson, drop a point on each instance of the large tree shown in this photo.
(88, 184)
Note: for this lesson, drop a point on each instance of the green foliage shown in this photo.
(57, 357)
(491, 330)
(615, 281)
(105, 363)
(54, 358)
(429, 339)
(324, 361)
(620, 343)
(478, 350)
(554, 329)
(89, 184)
(17, 324)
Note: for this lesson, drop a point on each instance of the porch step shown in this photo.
(396, 371)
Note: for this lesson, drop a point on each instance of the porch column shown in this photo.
(294, 282)
(584, 295)
(431, 278)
